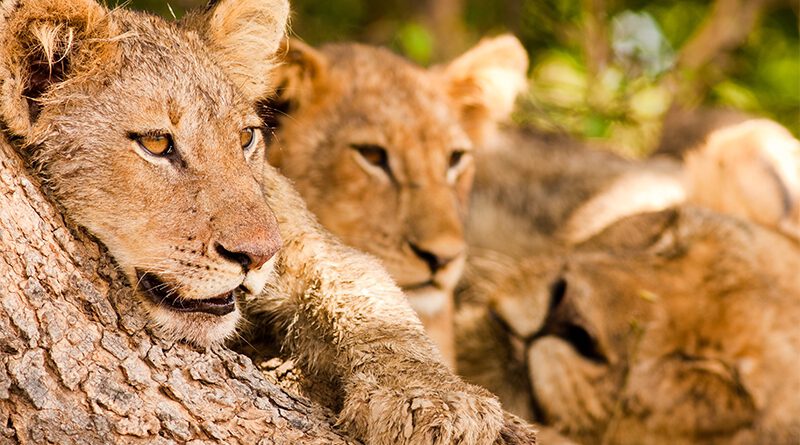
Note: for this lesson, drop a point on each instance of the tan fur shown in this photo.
(243, 37)
(750, 170)
(671, 327)
(686, 129)
(534, 184)
(737, 164)
(350, 94)
(564, 189)
(694, 315)
(78, 79)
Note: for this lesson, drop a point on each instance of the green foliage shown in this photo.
(767, 68)
(622, 104)
(164, 8)
(416, 42)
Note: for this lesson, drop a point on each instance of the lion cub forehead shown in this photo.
(373, 69)
(175, 63)
(387, 92)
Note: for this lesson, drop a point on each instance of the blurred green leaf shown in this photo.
(735, 95)
(649, 103)
(596, 126)
(416, 42)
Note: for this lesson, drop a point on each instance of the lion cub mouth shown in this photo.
(165, 295)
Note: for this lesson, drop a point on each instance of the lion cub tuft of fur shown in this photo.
(147, 134)
(382, 152)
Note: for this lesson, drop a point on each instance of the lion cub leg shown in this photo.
(343, 317)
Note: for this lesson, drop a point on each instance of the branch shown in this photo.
(725, 28)
(596, 41)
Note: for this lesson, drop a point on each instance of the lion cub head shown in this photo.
(143, 139)
(381, 149)
(673, 327)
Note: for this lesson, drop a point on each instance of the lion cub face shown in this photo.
(671, 327)
(144, 141)
(382, 150)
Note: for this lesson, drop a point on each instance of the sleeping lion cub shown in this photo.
(678, 327)
(381, 151)
(669, 327)
(143, 131)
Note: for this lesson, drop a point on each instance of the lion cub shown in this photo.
(144, 129)
(381, 150)
(679, 326)
(674, 326)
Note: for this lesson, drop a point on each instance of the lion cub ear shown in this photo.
(44, 43)
(300, 77)
(484, 83)
(243, 36)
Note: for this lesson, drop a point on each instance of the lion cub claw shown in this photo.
(434, 414)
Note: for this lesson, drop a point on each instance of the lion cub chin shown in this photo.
(144, 131)
(382, 152)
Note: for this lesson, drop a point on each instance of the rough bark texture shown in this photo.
(78, 366)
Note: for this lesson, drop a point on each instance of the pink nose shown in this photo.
(250, 257)
(251, 243)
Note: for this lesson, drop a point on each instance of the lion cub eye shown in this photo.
(375, 155)
(157, 145)
(455, 158)
(248, 138)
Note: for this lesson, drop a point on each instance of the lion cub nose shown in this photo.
(250, 257)
(438, 253)
(249, 245)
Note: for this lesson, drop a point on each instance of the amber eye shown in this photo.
(248, 138)
(455, 158)
(157, 145)
(374, 154)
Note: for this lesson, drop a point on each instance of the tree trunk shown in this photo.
(444, 19)
(77, 365)
(725, 28)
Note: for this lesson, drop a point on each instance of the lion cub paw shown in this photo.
(412, 415)
(515, 431)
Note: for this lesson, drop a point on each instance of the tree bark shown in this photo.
(78, 366)
(596, 41)
(444, 19)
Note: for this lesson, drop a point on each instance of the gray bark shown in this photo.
(78, 366)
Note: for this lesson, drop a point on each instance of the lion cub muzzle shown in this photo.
(240, 243)
(250, 239)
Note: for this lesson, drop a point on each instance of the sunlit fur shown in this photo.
(101, 76)
(348, 94)
(689, 318)
(750, 170)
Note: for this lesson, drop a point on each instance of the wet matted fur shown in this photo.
(143, 131)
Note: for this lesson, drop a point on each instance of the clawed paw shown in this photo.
(442, 415)
(515, 431)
